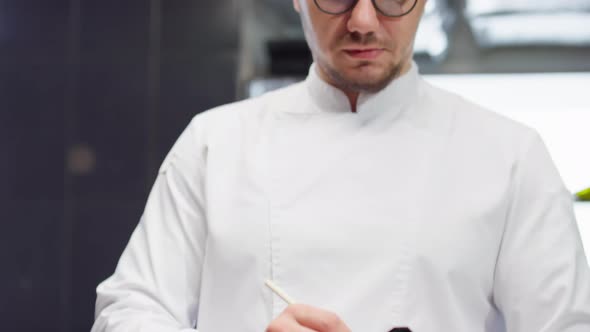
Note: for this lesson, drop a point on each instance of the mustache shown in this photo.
(359, 39)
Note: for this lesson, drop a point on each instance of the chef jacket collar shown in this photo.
(398, 93)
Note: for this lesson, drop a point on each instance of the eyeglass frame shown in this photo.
(374, 6)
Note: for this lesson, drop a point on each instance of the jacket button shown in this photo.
(400, 329)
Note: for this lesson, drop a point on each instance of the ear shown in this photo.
(296, 6)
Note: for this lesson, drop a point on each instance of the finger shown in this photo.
(286, 323)
(317, 319)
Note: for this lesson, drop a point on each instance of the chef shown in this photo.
(376, 201)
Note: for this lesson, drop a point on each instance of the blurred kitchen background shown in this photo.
(94, 93)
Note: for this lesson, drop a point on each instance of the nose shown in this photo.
(363, 18)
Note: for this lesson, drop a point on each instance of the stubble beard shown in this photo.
(357, 84)
(338, 78)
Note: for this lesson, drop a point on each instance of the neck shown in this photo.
(352, 99)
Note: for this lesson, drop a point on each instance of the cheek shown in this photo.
(401, 36)
(329, 33)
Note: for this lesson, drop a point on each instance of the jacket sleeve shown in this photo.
(542, 278)
(156, 284)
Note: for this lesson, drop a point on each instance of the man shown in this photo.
(374, 199)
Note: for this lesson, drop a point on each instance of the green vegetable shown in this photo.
(583, 195)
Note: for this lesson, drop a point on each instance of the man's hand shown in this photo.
(305, 318)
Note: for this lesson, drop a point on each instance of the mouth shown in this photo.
(365, 54)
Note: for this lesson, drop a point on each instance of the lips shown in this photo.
(366, 54)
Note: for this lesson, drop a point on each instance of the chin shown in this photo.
(360, 76)
(372, 80)
(361, 83)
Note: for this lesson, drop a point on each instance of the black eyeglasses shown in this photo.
(389, 8)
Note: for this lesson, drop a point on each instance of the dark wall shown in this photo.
(92, 96)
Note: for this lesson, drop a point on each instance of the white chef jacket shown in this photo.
(419, 210)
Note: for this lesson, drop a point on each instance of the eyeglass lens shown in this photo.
(386, 7)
